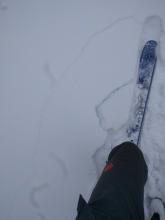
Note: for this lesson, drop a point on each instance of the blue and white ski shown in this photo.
(142, 90)
(146, 71)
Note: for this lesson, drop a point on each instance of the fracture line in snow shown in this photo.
(42, 113)
(100, 155)
(50, 75)
(98, 111)
(91, 38)
(36, 190)
(53, 79)
(33, 200)
(53, 82)
(28, 181)
(60, 162)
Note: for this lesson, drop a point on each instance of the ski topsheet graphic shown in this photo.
(142, 90)
(143, 85)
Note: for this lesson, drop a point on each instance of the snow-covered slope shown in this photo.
(152, 140)
(67, 78)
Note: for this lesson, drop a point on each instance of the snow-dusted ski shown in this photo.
(143, 86)
(146, 69)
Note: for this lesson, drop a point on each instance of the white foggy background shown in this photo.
(58, 60)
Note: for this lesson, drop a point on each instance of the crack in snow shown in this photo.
(100, 155)
(98, 111)
(54, 80)
(42, 113)
(50, 75)
(33, 200)
(36, 190)
(91, 38)
(60, 162)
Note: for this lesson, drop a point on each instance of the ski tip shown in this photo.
(151, 43)
(148, 55)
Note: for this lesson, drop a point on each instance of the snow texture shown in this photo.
(68, 71)
(147, 63)
(152, 140)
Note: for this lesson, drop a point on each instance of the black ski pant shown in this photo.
(119, 192)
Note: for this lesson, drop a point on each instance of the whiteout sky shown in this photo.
(59, 62)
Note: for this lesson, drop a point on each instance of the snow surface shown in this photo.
(68, 70)
(152, 140)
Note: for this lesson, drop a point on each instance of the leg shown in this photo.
(119, 191)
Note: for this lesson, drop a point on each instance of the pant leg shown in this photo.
(121, 186)
(119, 192)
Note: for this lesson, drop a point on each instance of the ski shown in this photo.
(142, 90)
(146, 69)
